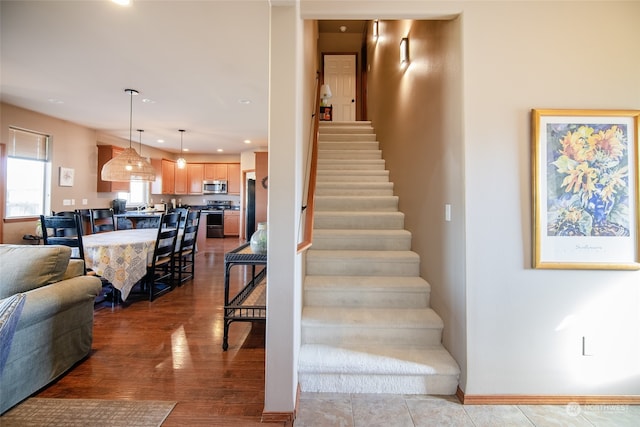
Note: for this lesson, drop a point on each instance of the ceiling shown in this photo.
(201, 66)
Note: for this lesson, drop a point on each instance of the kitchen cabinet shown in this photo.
(168, 176)
(215, 171)
(180, 181)
(195, 175)
(233, 178)
(231, 222)
(106, 153)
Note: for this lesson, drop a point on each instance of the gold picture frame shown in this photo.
(585, 189)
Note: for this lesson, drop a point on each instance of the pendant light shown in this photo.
(181, 162)
(128, 165)
(143, 164)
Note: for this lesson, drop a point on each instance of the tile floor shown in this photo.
(367, 410)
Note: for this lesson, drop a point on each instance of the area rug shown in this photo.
(39, 412)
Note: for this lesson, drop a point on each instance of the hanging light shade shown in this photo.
(128, 165)
(143, 168)
(181, 162)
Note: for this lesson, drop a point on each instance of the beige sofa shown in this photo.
(55, 328)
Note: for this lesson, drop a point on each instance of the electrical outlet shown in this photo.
(85, 201)
(73, 202)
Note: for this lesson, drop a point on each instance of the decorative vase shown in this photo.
(258, 240)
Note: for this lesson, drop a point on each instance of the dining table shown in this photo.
(121, 256)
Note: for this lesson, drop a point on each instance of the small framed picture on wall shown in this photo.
(66, 177)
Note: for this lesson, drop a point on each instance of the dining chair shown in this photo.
(170, 220)
(159, 277)
(102, 220)
(183, 215)
(63, 230)
(185, 253)
(85, 221)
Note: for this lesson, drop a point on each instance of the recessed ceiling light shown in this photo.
(55, 101)
(247, 141)
(122, 2)
(185, 149)
(244, 101)
(220, 150)
(148, 101)
(161, 141)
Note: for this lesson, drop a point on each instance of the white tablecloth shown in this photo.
(121, 256)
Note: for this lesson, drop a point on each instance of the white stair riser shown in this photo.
(359, 221)
(362, 267)
(344, 145)
(370, 165)
(345, 129)
(362, 203)
(399, 337)
(370, 240)
(352, 176)
(352, 192)
(347, 137)
(376, 186)
(370, 299)
(350, 154)
(390, 384)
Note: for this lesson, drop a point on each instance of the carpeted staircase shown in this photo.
(366, 322)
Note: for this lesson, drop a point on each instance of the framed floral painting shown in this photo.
(585, 189)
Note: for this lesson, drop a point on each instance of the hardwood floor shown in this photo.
(171, 349)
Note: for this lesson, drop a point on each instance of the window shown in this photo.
(28, 174)
(138, 194)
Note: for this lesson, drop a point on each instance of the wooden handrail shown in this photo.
(311, 186)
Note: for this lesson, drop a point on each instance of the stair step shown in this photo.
(352, 176)
(354, 189)
(349, 154)
(348, 145)
(358, 220)
(364, 240)
(356, 203)
(348, 164)
(345, 129)
(347, 137)
(401, 327)
(363, 263)
(335, 123)
(377, 369)
(366, 291)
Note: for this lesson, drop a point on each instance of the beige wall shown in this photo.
(74, 146)
(519, 329)
(416, 113)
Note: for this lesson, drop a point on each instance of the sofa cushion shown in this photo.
(26, 267)
(10, 309)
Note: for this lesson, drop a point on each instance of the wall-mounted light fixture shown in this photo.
(375, 29)
(404, 51)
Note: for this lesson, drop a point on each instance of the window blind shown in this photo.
(25, 144)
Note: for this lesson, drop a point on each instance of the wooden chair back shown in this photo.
(63, 230)
(102, 220)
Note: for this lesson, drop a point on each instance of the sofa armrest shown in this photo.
(47, 301)
(75, 269)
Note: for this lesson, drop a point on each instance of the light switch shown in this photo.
(66, 202)
(447, 212)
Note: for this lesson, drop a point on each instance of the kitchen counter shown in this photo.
(138, 219)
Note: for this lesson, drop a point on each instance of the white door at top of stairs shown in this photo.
(340, 75)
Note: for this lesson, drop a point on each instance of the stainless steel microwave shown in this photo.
(218, 186)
